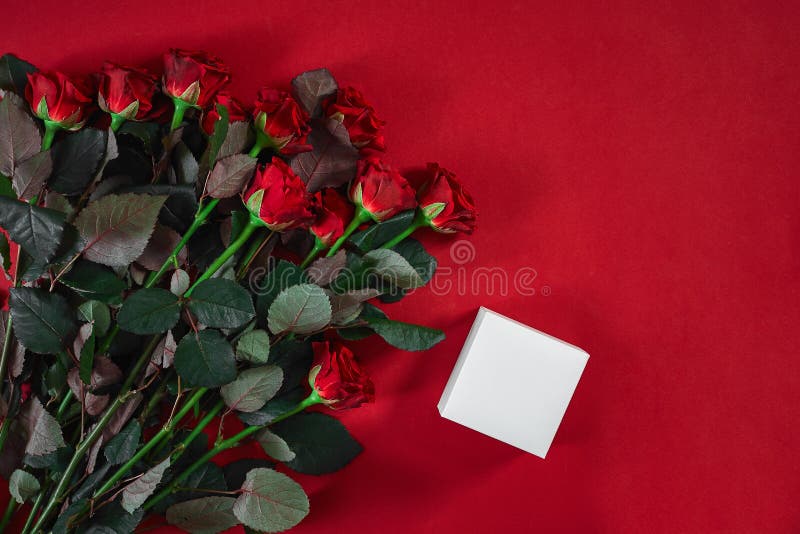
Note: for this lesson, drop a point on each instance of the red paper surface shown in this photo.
(641, 159)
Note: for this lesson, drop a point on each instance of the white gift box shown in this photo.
(512, 382)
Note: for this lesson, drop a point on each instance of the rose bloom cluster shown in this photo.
(276, 197)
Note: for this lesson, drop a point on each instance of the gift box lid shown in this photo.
(512, 382)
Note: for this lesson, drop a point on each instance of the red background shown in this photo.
(642, 159)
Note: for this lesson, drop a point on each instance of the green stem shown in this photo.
(12, 505)
(162, 434)
(418, 222)
(50, 129)
(225, 444)
(252, 225)
(200, 217)
(199, 427)
(97, 431)
(62, 408)
(255, 248)
(361, 216)
(6, 351)
(262, 142)
(177, 115)
(4, 432)
(117, 121)
(35, 508)
(318, 247)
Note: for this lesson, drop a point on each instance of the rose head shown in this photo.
(351, 109)
(278, 197)
(193, 77)
(126, 91)
(54, 97)
(333, 213)
(447, 206)
(236, 111)
(337, 378)
(381, 190)
(281, 119)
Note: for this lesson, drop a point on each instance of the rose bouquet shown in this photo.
(184, 272)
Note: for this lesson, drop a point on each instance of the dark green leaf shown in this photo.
(22, 486)
(97, 313)
(94, 281)
(13, 73)
(221, 303)
(253, 347)
(205, 359)
(274, 446)
(179, 209)
(77, 160)
(207, 515)
(5, 253)
(37, 230)
(416, 255)
(65, 522)
(284, 274)
(275, 407)
(149, 311)
(236, 471)
(320, 442)
(217, 138)
(392, 268)
(300, 309)
(294, 357)
(186, 167)
(135, 493)
(123, 445)
(19, 137)
(146, 132)
(117, 227)
(44, 432)
(405, 336)
(270, 501)
(44, 322)
(378, 234)
(6, 189)
(112, 519)
(252, 388)
(31, 174)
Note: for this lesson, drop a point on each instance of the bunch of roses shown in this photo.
(279, 225)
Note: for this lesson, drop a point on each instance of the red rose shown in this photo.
(281, 120)
(333, 212)
(54, 97)
(447, 206)
(126, 91)
(381, 190)
(351, 109)
(278, 197)
(337, 378)
(236, 111)
(193, 77)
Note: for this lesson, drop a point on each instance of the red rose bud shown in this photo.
(280, 121)
(58, 100)
(236, 111)
(126, 91)
(337, 378)
(278, 197)
(447, 206)
(351, 109)
(381, 190)
(193, 77)
(333, 212)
